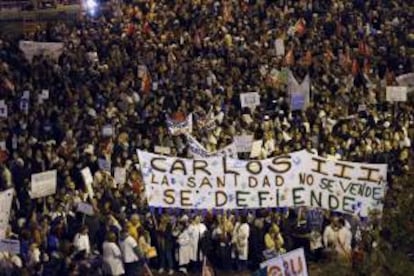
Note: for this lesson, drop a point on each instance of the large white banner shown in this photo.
(290, 263)
(6, 199)
(33, 48)
(43, 184)
(293, 180)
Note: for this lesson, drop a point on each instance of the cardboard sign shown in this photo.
(85, 208)
(6, 199)
(396, 93)
(243, 143)
(43, 184)
(3, 109)
(88, 180)
(250, 100)
(10, 246)
(291, 180)
(120, 175)
(291, 263)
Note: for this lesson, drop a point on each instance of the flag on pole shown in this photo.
(146, 82)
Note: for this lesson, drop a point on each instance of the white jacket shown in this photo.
(185, 249)
(112, 258)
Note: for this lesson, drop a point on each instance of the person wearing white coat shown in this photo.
(196, 231)
(112, 257)
(241, 240)
(184, 247)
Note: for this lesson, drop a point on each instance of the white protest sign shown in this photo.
(107, 131)
(162, 150)
(10, 246)
(250, 100)
(292, 180)
(290, 263)
(6, 199)
(44, 95)
(3, 109)
(120, 175)
(256, 149)
(33, 48)
(104, 164)
(88, 180)
(43, 184)
(243, 143)
(280, 47)
(24, 102)
(85, 208)
(396, 93)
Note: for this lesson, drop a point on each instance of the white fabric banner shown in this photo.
(297, 179)
(33, 48)
(290, 263)
(6, 199)
(85, 208)
(43, 184)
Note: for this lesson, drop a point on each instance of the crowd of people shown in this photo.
(143, 61)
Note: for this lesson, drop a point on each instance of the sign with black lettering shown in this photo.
(296, 179)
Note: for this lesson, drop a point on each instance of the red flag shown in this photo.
(355, 67)
(146, 83)
(207, 268)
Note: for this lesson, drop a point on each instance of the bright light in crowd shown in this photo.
(90, 6)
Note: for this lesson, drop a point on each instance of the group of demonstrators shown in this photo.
(167, 77)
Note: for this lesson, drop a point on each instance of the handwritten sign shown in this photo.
(120, 175)
(250, 100)
(396, 93)
(43, 184)
(33, 48)
(291, 263)
(10, 246)
(292, 180)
